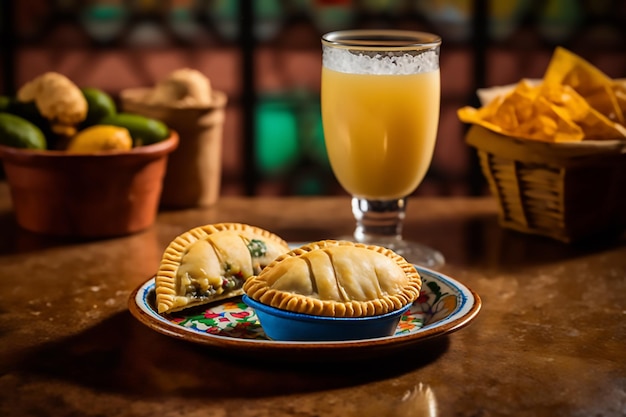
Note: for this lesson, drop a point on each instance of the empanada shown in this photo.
(337, 279)
(211, 262)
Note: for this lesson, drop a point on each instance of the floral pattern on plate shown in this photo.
(235, 319)
(444, 306)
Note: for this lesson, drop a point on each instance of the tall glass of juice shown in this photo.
(380, 112)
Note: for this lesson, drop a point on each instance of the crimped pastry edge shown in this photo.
(257, 289)
(165, 280)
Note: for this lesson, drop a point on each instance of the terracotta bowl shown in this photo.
(90, 195)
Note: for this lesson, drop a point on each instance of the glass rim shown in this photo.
(381, 39)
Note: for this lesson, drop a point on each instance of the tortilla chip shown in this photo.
(550, 113)
(619, 89)
(575, 101)
(567, 68)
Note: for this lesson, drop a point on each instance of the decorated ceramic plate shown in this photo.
(444, 305)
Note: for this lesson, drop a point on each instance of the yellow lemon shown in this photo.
(99, 138)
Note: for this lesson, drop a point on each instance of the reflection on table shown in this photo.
(549, 339)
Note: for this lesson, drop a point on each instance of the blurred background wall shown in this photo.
(266, 56)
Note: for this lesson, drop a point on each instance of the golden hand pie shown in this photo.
(337, 279)
(211, 262)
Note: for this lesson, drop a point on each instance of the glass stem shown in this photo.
(378, 220)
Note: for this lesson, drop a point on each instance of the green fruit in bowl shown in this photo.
(143, 130)
(18, 132)
(26, 110)
(5, 101)
(99, 105)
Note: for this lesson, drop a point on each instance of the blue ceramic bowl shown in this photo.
(288, 326)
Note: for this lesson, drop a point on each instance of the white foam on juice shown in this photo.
(351, 62)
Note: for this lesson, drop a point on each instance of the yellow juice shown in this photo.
(380, 130)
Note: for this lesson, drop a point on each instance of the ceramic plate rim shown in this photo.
(462, 316)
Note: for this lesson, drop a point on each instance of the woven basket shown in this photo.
(567, 191)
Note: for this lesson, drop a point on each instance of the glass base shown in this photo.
(413, 252)
(379, 222)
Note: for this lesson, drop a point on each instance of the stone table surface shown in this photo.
(550, 339)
